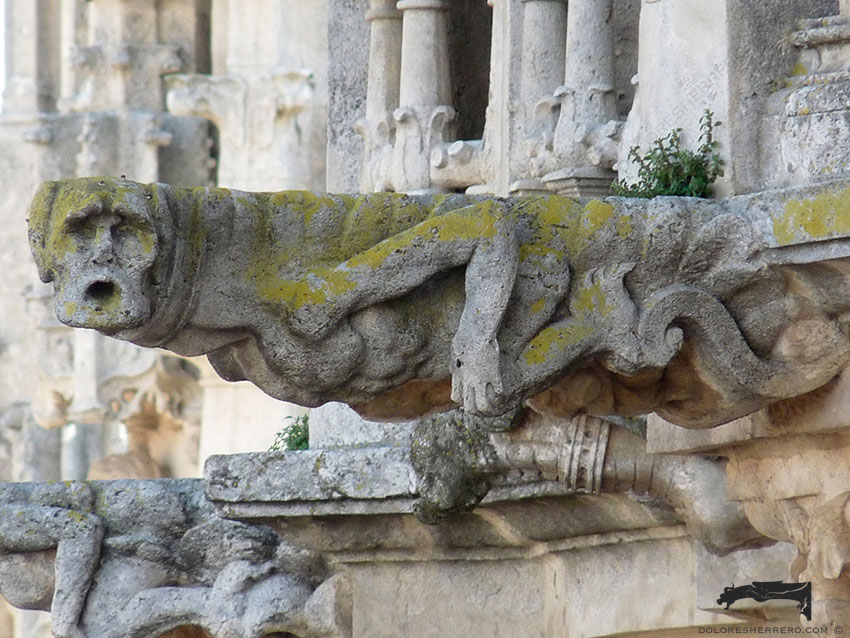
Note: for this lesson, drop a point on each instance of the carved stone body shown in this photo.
(691, 308)
(135, 559)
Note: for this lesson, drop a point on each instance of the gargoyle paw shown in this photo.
(476, 378)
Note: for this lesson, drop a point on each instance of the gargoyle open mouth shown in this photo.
(101, 293)
(103, 302)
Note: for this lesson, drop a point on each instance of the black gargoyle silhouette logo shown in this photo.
(771, 590)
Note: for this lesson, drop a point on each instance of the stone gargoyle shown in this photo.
(403, 306)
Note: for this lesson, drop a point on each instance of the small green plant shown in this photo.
(667, 169)
(295, 435)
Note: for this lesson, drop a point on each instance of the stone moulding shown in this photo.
(701, 311)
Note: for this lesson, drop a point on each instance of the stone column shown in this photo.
(424, 115)
(73, 35)
(588, 101)
(544, 28)
(385, 23)
(589, 70)
(382, 93)
(31, 56)
(844, 8)
(80, 437)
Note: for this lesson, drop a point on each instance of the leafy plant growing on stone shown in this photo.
(295, 435)
(668, 169)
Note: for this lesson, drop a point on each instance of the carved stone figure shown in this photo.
(401, 306)
(39, 518)
(135, 559)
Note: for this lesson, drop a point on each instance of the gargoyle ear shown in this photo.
(40, 216)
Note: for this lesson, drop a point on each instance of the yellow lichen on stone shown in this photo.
(595, 216)
(321, 285)
(556, 220)
(800, 69)
(372, 229)
(538, 306)
(553, 340)
(816, 218)
(591, 299)
(624, 226)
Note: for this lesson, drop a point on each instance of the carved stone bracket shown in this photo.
(787, 467)
(458, 458)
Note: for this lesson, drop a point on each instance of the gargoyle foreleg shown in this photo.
(403, 262)
(477, 381)
(480, 236)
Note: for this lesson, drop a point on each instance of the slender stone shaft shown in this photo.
(544, 27)
(589, 98)
(590, 57)
(425, 75)
(32, 58)
(73, 35)
(424, 115)
(382, 94)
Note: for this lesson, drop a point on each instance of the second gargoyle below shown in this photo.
(402, 305)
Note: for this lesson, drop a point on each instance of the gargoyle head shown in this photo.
(96, 240)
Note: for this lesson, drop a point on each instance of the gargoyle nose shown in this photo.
(102, 259)
(103, 253)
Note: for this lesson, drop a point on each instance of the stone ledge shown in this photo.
(363, 474)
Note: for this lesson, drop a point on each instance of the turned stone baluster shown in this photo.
(31, 70)
(587, 122)
(382, 93)
(588, 91)
(543, 48)
(544, 27)
(424, 114)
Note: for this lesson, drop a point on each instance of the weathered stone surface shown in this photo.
(456, 461)
(545, 551)
(169, 562)
(313, 475)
